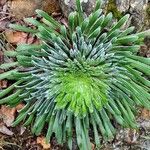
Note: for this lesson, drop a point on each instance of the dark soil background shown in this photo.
(20, 138)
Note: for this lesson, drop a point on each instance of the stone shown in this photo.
(68, 6)
(26, 8)
(136, 8)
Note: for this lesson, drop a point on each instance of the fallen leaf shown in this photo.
(16, 37)
(3, 84)
(145, 114)
(42, 141)
(33, 40)
(22, 130)
(19, 106)
(5, 130)
(7, 114)
(64, 22)
(93, 146)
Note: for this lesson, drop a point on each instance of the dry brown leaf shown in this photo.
(19, 106)
(7, 114)
(42, 141)
(33, 40)
(5, 130)
(22, 130)
(64, 22)
(20, 38)
(145, 114)
(93, 146)
(16, 37)
(3, 84)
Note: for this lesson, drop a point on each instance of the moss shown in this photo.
(111, 7)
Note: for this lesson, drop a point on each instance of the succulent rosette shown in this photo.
(80, 78)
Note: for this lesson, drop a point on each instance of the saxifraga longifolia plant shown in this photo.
(80, 77)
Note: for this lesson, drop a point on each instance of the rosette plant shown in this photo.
(80, 78)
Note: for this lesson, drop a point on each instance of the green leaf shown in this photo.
(118, 118)
(39, 124)
(33, 21)
(143, 34)
(96, 137)
(127, 39)
(92, 20)
(50, 128)
(98, 4)
(78, 131)
(22, 28)
(25, 47)
(107, 20)
(114, 106)
(22, 114)
(97, 24)
(8, 74)
(127, 31)
(133, 48)
(71, 22)
(8, 65)
(15, 102)
(48, 18)
(139, 77)
(9, 89)
(139, 58)
(128, 118)
(80, 11)
(140, 66)
(64, 31)
(119, 23)
(95, 33)
(83, 75)
(11, 97)
(128, 109)
(112, 34)
(10, 53)
(29, 120)
(99, 123)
